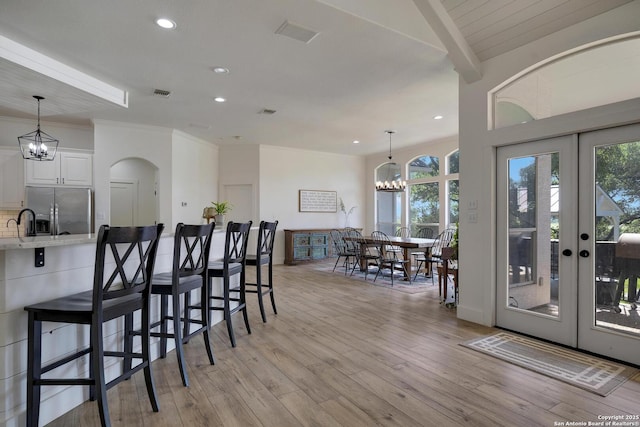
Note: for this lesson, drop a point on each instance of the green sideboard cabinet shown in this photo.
(306, 245)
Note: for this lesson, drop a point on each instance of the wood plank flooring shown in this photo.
(342, 352)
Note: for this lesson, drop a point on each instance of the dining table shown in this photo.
(407, 244)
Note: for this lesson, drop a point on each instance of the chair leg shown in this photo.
(204, 314)
(34, 369)
(97, 354)
(273, 300)
(259, 290)
(187, 317)
(420, 263)
(177, 335)
(336, 264)
(164, 302)
(243, 301)
(128, 342)
(227, 311)
(145, 337)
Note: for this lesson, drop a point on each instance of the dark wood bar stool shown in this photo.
(191, 247)
(120, 288)
(263, 256)
(233, 263)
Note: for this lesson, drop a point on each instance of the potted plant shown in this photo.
(221, 209)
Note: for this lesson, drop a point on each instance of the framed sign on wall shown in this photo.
(317, 201)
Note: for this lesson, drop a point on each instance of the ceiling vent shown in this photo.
(296, 32)
(267, 111)
(161, 92)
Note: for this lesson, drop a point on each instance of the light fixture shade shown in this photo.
(38, 145)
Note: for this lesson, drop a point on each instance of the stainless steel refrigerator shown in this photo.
(60, 210)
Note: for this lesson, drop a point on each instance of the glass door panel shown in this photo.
(534, 285)
(609, 322)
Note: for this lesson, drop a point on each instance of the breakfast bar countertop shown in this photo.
(45, 241)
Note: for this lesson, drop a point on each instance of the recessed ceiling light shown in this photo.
(166, 23)
(219, 99)
(438, 117)
(220, 70)
(356, 142)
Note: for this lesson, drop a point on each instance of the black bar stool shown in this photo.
(264, 255)
(120, 288)
(233, 262)
(191, 246)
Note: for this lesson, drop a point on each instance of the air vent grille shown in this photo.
(296, 32)
(267, 111)
(162, 92)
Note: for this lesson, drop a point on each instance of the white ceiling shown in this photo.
(375, 64)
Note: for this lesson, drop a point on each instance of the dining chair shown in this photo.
(434, 257)
(423, 233)
(341, 249)
(403, 232)
(124, 263)
(191, 245)
(389, 258)
(232, 264)
(263, 256)
(365, 254)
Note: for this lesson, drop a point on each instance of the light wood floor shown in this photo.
(342, 352)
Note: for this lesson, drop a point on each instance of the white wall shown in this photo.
(477, 147)
(194, 178)
(115, 141)
(284, 171)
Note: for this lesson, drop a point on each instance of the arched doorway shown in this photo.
(133, 193)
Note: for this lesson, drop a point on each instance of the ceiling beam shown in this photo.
(460, 53)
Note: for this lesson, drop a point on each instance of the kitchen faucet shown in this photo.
(31, 227)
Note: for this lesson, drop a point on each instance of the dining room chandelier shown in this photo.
(38, 145)
(391, 184)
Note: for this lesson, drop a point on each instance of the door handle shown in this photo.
(584, 253)
(567, 252)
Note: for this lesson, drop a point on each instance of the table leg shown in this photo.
(407, 256)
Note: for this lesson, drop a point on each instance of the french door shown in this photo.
(568, 240)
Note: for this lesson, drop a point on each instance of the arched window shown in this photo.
(424, 166)
(590, 76)
(424, 193)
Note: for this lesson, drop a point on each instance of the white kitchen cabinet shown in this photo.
(67, 168)
(12, 179)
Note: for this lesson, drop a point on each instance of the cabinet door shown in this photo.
(76, 169)
(12, 175)
(46, 172)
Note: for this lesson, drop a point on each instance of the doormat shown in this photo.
(590, 373)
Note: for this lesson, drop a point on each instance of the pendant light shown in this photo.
(38, 145)
(391, 185)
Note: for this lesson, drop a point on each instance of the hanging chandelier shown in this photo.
(38, 145)
(391, 185)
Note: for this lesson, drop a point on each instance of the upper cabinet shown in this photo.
(67, 168)
(12, 176)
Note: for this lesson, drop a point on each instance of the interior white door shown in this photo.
(123, 204)
(536, 239)
(609, 262)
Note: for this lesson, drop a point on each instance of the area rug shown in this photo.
(590, 373)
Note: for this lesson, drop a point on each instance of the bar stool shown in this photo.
(266, 236)
(233, 263)
(191, 246)
(120, 288)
